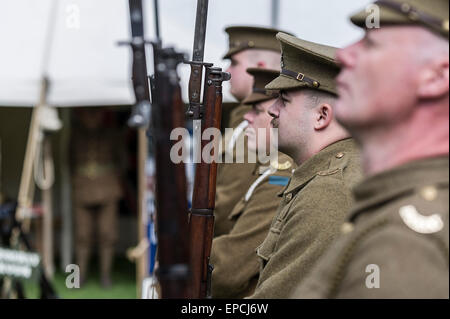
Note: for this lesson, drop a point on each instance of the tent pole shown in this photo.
(25, 198)
(47, 220)
(142, 261)
(65, 195)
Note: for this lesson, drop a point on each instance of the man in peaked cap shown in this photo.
(97, 169)
(249, 47)
(236, 267)
(394, 98)
(316, 200)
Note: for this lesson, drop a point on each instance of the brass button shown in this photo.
(429, 193)
(288, 197)
(347, 228)
(316, 84)
(251, 44)
(284, 166)
(340, 155)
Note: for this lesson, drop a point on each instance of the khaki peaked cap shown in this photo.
(249, 37)
(432, 14)
(261, 77)
(305, 64)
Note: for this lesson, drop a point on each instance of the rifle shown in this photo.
(201, 219)
(171, 192)
(139, 119)
(164, 114)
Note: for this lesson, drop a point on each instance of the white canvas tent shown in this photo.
(75, 46)
(87, 67)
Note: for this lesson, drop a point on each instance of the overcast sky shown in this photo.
(86, 67)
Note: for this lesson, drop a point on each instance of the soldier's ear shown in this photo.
(434, 79)
(324, 116)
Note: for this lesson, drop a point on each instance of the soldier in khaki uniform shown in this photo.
(96, 190)
(395, 242)
(236, 267)
(315, 202)
(249, 47)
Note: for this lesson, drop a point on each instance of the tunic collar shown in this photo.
(320, 164)
(386, 186)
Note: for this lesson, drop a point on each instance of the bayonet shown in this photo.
(140, 115)
(195, 81)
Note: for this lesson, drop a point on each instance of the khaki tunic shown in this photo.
(237, 115)
(312, 209)
(95, 164)
(399, 224)
(236, 266)
(233, 179)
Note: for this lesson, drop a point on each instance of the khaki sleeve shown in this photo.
(310, 227)
(233, 255)
(404, 263)
(232, 185)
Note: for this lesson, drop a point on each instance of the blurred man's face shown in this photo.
(294, 118)
(259, 123)
(241, 82)
(379, 78)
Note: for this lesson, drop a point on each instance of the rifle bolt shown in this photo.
(209, 82)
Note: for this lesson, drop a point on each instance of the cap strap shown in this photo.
(415, 15)
(258, 90)
(268, 93)
(300, 77)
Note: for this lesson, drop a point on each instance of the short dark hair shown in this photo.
(317, 97)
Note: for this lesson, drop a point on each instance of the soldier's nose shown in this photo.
(347, 56)
(273, 109)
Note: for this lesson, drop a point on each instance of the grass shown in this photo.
(123, 278)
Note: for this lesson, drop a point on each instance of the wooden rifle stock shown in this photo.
(168, 112)
(201, 223)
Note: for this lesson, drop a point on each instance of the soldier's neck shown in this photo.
(424, 135)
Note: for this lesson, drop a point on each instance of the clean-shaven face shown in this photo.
(294, 120)
(379, 78)
(259, 123)
(241, 83)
